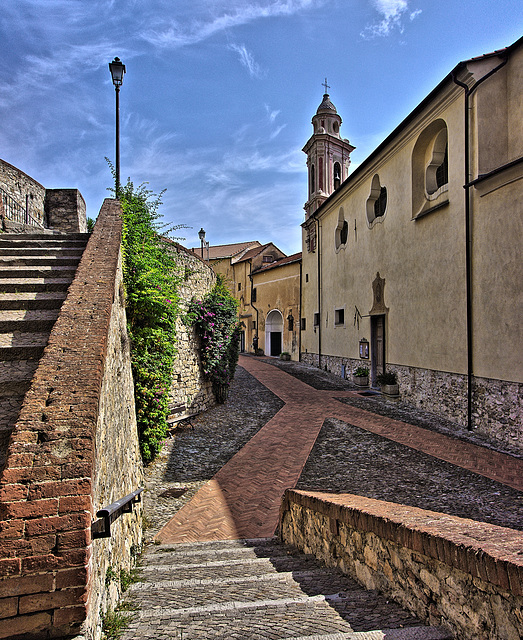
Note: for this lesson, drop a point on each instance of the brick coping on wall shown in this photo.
(46, 486)
(485, 551)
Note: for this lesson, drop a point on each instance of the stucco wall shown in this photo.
(463, 574)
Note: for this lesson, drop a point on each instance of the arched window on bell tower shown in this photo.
(337, 175)
(313, 180)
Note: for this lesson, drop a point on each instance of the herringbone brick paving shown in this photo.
(243, 498)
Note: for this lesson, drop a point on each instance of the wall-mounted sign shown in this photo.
(364, 349)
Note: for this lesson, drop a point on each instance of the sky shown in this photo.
(218, 97)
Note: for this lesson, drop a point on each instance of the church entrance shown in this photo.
(273, 333)
(377, 346)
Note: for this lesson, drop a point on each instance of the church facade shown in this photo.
(412, 262)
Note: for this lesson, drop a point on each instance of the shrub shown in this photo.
(215, 319)
(361, 372)
(388, 377)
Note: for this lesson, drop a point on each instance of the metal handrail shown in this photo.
(16, 212)
(102, 528)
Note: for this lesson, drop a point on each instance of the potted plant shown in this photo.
(285, 355)
(388, 381)
(361, 377)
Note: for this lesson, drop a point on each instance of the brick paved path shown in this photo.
(242, 500)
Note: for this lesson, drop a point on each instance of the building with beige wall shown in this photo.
(275, 298)
(417, 252)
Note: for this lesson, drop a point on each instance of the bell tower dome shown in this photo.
(328, 154)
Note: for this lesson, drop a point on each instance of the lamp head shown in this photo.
(117, 69)
(201, 234)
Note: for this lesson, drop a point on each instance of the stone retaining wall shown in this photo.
(497, 411)
(65, 210)
(463, 574)
(19, 185)
(74, 449)
(190, 393)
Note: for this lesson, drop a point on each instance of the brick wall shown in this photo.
(463, 574)
(79, 408)
(190, 391)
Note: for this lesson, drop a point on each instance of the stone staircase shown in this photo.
(35, 273)
(258, 590)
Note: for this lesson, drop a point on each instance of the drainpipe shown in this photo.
(468, 234)
(299, 316)
(318, 229)
(257, 314)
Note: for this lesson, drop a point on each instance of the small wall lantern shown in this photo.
(364, 349)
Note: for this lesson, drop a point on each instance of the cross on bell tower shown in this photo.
(328, 154)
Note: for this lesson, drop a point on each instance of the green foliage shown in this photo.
(90, 225)
(388, 377)
(127, 578)
(114, 624)
(216, 321)
(361, 372)
(151, 278)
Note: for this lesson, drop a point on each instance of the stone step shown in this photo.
(27, 320)
(32, 300)
(35, 271)
(18, 345)
(42, 240)
(18, 285)
(255, 590)
(42, 251)
(39, 260)
(15, 377)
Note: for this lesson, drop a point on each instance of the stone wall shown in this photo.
(463, 574)
(190, 391)
(65, 210)
(73, 449)
(23, 189)
(497, 411)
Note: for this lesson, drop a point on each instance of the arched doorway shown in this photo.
(273, 333)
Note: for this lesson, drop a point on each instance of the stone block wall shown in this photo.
(497, 412)
(65, 210)
(73, 450)
(23, 189)
(463, 574)
(190, 391)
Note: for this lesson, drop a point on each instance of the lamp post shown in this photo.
(117, 69)
(201, 235)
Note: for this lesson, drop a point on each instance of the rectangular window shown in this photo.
(253, 295)
(339, 316)
(316, 319)
(239, 286)
(254, 324)
(268, 259)
(303, 324)
(306, 277)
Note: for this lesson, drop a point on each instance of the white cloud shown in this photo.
(392, 13)
(177, 34)
(247, 60)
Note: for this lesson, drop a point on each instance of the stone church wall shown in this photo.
(74, 450)
(497, 413)
(190, 391)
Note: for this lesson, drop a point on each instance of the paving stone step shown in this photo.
(31, 271)
(256, 590)
(32, 300)
(18, 285)
(45, 237)
(22, 346)
(410, 633)
(42, 251)
(27, 320)
(40, 260)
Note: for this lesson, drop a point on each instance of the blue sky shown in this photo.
(219, 94)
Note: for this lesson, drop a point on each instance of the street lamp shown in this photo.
(201, 235)
(117, 69)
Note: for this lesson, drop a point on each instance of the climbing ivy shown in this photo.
(151, 278)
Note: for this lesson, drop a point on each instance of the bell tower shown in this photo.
(328, 154)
